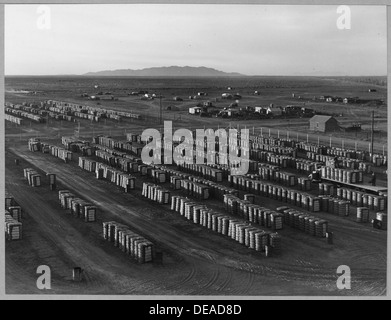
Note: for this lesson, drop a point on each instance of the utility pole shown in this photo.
(161, 110)
(372, 130)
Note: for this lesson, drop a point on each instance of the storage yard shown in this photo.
(79, 196)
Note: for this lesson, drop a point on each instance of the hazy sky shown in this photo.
(250, 39)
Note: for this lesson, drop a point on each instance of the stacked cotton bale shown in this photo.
(33, 177)
(87, 164)
(34, 145)
(77, 207)
(13, 119)
(298, 198)
(156, 193)
(361, 199)
(12, 228)
(239, 230)
(134, 245)
(304, 222)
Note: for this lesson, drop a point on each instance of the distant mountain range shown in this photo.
(173, 71)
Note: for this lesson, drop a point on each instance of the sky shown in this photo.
(249, 39)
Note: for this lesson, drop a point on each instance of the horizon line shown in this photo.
(195, 76)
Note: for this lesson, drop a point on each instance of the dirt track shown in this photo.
(196, 261)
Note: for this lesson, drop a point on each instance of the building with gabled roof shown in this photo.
(320, 123)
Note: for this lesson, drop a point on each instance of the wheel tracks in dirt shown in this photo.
(56, 235)
(177, 241)
(193, 271)
(206, 289)
(248, 282)
(186, 280)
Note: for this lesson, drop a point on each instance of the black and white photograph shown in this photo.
(195, 150)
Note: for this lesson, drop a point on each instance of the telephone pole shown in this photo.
(372, 130)
(161, 110)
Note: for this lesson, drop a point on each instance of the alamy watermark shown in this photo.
(344, 21)
(44, 281)
(44, 21)
(207, 147)
(344, 281)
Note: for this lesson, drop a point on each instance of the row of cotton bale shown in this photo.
(273, 173)
(361, 199)
(87, 164)
(298, 198)
(119, 178)
(118, 157)
(23, 114)
(131, 243)
(13, 119)
(334, 206)
(95, 112)
(61, 153)
(239, 230)
(118, 153)
(271, 141)
(111, 143)
(156, 193)
(205, 171)
(348, 163)
(356, 198)
(215, 190)
(33, 177)
(36, 145)
(197, 190)
(125, 164)
(331, 151)
(12, 227)
(252, 212)
(274, 149)
(342, 175)
(76, 145)
(77, 207)
(304, 222)
(282, 161)
(13, 218)
(106, 172)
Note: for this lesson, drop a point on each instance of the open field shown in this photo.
(276, 90)
(196, 261)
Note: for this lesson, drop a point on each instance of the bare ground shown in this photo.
(196, 260)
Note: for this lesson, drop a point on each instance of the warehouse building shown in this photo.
(324, 124)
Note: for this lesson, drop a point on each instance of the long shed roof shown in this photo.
(318, 118)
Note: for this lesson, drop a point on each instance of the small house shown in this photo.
(324, 124)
